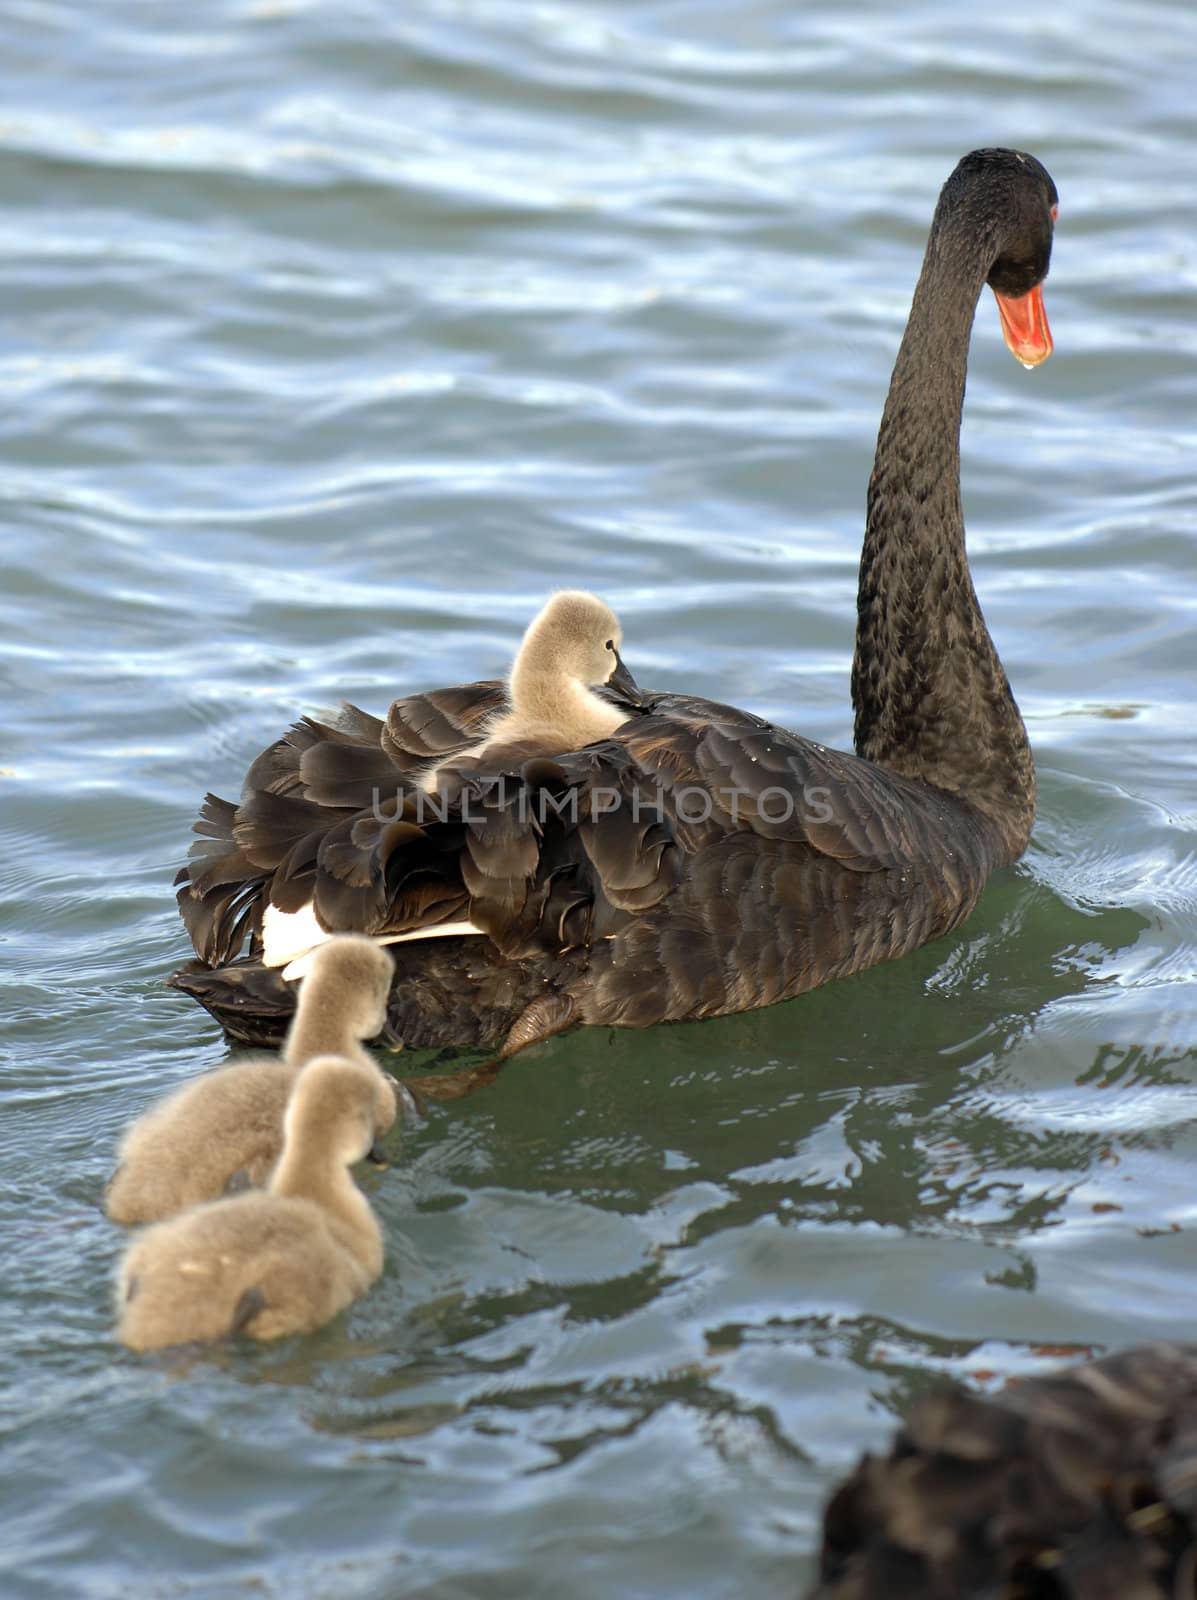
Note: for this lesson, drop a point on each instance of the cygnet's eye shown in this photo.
(610, 645)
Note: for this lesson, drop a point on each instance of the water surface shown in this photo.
(332, 339)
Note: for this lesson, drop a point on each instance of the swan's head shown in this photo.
(1010, 200)
(576, 636)
(350, 976)
(338, 1101)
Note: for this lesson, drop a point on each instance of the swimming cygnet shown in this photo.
(274, 1263)
(227, 1125)
(570, 645)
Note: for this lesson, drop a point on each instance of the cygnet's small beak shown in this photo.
(375, 1157)
(624, 685)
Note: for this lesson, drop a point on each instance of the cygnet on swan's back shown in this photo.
(229, 1123)
(571, 645)
(274, 1263)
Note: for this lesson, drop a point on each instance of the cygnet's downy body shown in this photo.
(274, 1263)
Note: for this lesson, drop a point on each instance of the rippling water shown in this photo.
(333, 337)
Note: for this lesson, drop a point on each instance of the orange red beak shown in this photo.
(1024, 326)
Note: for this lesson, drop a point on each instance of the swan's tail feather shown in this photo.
(252, 1003)
(219, 889)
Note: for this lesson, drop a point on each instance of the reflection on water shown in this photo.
(334, 340)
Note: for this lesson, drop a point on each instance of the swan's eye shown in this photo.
(610, 645)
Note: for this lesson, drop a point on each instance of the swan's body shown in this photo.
(269, 1264)
(1077, 1486)
(228, 1124)
(700, 860)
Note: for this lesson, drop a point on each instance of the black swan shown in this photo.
(700, 860)
(1077, 1486)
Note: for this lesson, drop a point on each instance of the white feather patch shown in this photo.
(287, 934)
(300, 965)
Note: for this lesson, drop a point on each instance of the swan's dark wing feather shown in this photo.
(430, 727)
(543, 859)
(353, 776)
(270, 826)
(339, 764)
(388, 876)
(1080, 1484)
(216, 860)
(498, 862)
(221, 891)
(630, 839)
(370, 874)
(356, 759)
(277, 769)
(777, 785)
(314, 817)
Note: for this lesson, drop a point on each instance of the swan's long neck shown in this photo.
(931, 698)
